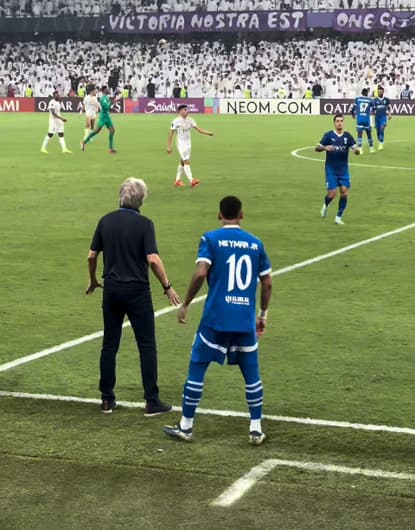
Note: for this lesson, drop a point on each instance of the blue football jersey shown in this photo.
(237, 259)
(362, 108)
(381, 106)
(338, 160)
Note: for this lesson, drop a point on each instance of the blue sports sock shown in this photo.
(253, 387)
(359, 138)
(327, 200)
(342, 206)
(370, 137)
(381, 135)
(193, 388)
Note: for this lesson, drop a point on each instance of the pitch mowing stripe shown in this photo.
(170, 309)
(224, 413)
(296, 154)
(245, 483)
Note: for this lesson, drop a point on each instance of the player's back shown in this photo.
(236, 259)
(363, 108)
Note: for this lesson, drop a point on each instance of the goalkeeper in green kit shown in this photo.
(103, 121)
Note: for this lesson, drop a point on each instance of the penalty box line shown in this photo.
(290, 268)
(240, 487)
(222, 413)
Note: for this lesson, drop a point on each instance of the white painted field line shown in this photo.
(169, 309)
(223, 413)
(296, 154)
(245, 483)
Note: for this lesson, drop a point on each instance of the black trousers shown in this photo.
(128, 299)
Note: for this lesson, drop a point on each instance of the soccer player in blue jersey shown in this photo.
(336, 144)
(232, 261)
(382, 115)
(362, 109)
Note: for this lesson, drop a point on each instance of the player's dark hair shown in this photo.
(364, 92)
(104, 88)
(181, 107)
(230, 207)
(380, 87)
(338, 115)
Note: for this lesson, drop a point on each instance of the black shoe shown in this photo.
(108, 405)
(155, 407)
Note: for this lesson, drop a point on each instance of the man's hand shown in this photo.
(181, 317)
(261, 324)
(92, 286)
(173, 297)
(329, 147)
(169, 150)
(210, 133)
(64, 120)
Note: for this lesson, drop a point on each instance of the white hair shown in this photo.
(133, 193)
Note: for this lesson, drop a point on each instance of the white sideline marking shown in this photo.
(224, 413)
(245, 483)
(169, 309)
(312, 159)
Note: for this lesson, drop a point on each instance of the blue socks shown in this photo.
(342, 206)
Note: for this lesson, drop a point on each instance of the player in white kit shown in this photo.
(91, 107)
(182, 126)
(55, 124)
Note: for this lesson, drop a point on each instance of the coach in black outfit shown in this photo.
(127, 240)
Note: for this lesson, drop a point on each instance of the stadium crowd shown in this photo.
(53, 8)
(266, 69)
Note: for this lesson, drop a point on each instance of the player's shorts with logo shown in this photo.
(105, 121)
(55, 126)
(381, 122)
(335, 179)
(210, 345)
(184, 150)
(363, 125)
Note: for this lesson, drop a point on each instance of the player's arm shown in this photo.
(157, 266)
(170, 141)
(92, 268)
(199, 276)
(203, 131)
(265, 297)
(320, 148)
(56, 116)
(354, 110)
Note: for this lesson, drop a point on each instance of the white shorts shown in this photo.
(90, 115)
(55, 126)
(184, 151)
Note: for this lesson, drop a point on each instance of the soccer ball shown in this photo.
(162, 42)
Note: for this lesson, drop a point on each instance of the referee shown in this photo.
(128, 243)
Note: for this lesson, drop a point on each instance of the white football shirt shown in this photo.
(91, 104)
(183, 126)
(56, 106)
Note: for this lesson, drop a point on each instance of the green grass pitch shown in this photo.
(339, 343)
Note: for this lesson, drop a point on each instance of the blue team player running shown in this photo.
(362, 109)
(382, 115)
(232, 261)
(337, 143)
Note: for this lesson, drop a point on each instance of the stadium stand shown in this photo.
(53, 8)
(271, 69)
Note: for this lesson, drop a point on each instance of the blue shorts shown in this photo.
(363, 125)
(334, 181)
(210, 345)
(380, 123)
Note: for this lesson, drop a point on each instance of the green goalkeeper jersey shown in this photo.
(105, 103)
